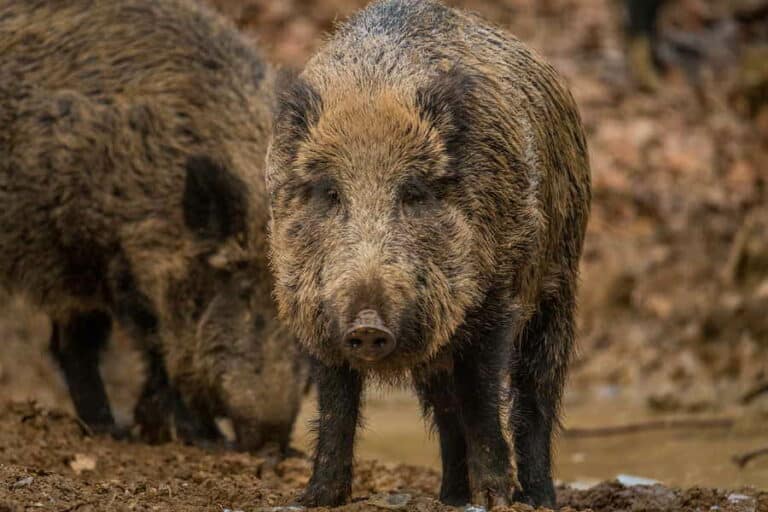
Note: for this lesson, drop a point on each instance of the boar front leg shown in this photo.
(339, 390)
(438, 396)
(481, 372)
(76, 344)
(135, 312)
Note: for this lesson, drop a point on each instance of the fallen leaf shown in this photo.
(81, 463)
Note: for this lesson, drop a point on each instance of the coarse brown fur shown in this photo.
(132, 185)
(432, 168)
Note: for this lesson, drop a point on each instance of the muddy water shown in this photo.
(395, 432)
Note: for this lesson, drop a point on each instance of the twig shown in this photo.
(665, 424)
(85, 429)
(735, 259)
(754, 393)
(743, 459)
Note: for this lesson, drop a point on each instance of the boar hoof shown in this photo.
(492, 498)
(323, 496)
(454, 499)
(536, 498)
(119, 433)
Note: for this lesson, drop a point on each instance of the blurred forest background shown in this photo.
(674, 294)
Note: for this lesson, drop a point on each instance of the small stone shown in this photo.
(738, 498)
(583, 485)
(631, 480)
(24, 482)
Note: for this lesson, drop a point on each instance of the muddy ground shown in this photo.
(49, 462)
(672, 305)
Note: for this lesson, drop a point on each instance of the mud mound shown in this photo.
(614, 497)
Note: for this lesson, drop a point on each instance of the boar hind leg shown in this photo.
(76, 344)
(158, 403)
(538, 381)
(438, 397)
(339, 390)
(481, 374)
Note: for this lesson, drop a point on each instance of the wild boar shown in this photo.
(132, 185)
(430, 189)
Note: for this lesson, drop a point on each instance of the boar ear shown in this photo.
(298, 109)
(214, 202)
(446, 103)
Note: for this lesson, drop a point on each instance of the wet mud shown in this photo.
(51, 462)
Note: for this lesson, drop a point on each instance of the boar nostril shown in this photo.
(368, 339)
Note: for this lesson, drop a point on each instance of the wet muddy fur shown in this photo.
(132, 142)
(431, 169)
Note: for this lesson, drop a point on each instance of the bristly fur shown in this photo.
(132, 140)
(438, 173)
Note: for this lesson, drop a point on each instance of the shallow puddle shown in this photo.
(395, 432)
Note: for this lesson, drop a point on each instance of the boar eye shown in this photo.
(414, 196)
(324, 193)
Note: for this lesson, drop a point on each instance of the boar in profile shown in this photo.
(430, 189)
(132, 182)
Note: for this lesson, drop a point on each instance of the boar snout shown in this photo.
(368, 339)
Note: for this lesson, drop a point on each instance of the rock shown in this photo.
(24, 482)
(631, 480)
